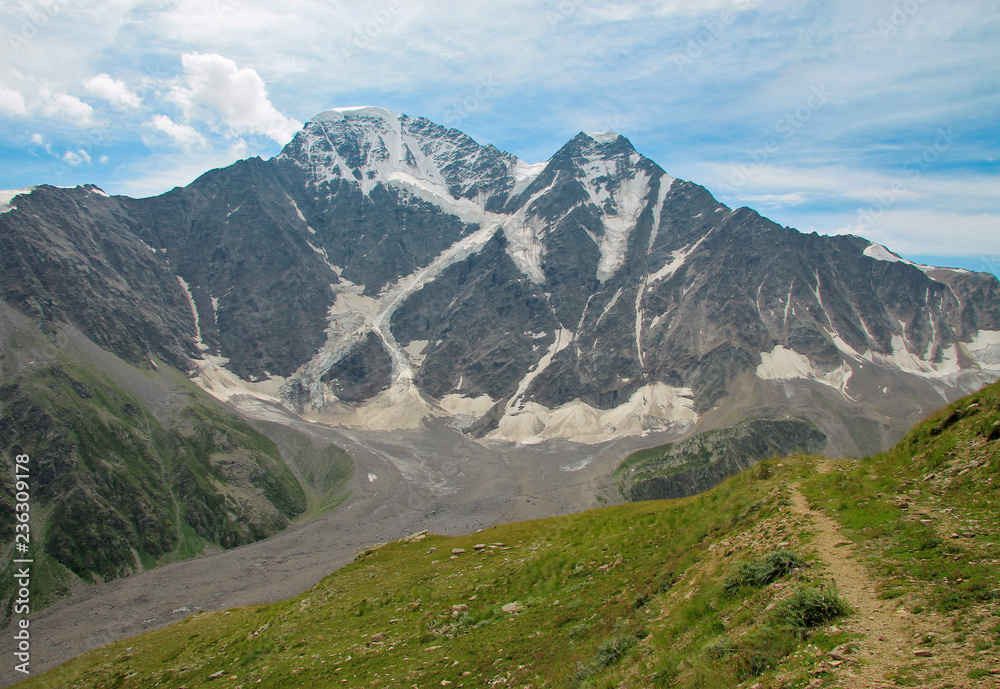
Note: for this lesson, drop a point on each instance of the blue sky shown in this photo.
(878, 118)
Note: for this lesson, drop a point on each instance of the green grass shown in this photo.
(602, 593)
(683, 593)
(907, 505)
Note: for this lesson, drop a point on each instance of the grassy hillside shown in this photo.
(694, 465)
(129, 469)
(801, 572)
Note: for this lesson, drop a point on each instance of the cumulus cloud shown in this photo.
(68, 108)
(182, 135)
(114, 91)
(218, 89)
(12, 102)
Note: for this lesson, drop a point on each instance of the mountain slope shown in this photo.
(384, 270)
(694, 465)
(129, 468)
(745, 583)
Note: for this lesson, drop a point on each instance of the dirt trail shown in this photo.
(887, 634)
(891, 635)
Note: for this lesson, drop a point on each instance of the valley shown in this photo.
(802, 571)
(402, 482)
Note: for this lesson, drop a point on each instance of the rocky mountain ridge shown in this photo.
(383, 270)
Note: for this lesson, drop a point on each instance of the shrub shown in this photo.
(608, 653)
(760, 573)
(811, 608)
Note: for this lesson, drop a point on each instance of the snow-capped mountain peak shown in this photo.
(370, 145)
(603, 137)
(337, 114)
(384, 269)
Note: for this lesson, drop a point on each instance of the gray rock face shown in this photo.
(381, 253)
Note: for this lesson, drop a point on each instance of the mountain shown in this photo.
(799, 572)
(129, 468)
(384, 270)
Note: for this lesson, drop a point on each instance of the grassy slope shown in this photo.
(698, 463)
(118, 483)
(669, 593)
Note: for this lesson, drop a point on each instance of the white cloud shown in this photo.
(218, 88)
(69, 108)
(76, 158)
(928, 232)
(795, 198)
(114, 91)
(182, 135)
(12, 102)
(643, 11)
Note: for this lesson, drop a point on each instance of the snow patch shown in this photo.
(985, 349)
(604, 137)
(620, 206)
(194, 312)
(525, 174)
(666, 183)
(415, 350)
(904, 360)
(782, 363)
(611, 305)
(524, 238)
(214, 378)
(460, 405)
(638, 321)
(354, 315)
(881, 253)
(845, 348)
(563, 338)
(7, 198)
(677, 259)
(326, 259)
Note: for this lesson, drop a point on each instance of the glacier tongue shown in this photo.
(354, 314)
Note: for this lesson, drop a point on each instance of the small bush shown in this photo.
(760, 573)
(811, 608)
(608, 653)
